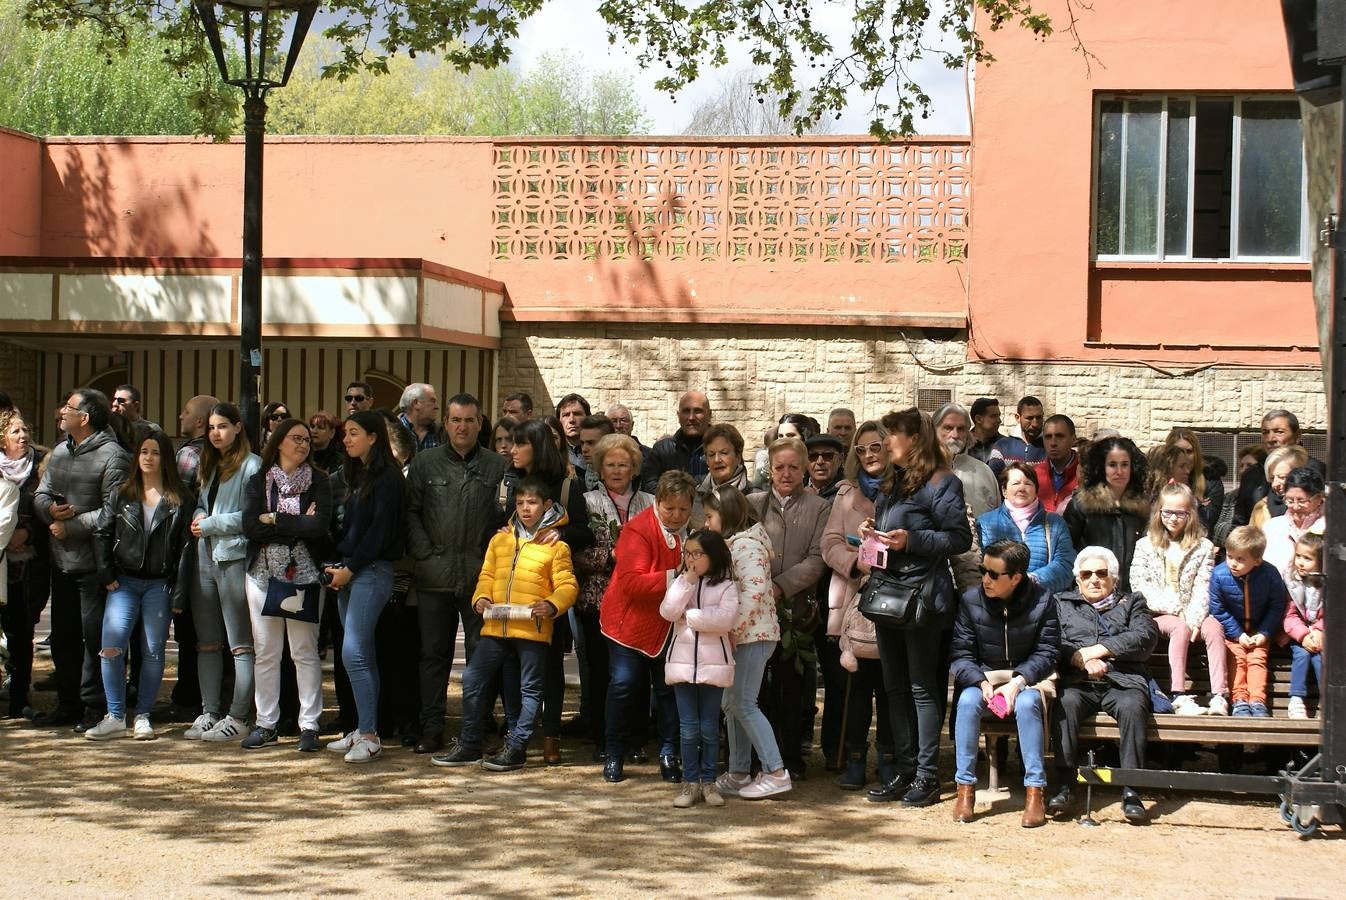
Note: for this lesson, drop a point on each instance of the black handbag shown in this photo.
(288, 600)
(902, 600)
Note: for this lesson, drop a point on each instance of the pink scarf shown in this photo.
(1022, 517)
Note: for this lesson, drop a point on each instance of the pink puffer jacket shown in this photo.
(703, 614)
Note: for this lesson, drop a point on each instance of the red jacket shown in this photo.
(629, 614)
(1048, 495)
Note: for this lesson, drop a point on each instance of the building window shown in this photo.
(1200, 178)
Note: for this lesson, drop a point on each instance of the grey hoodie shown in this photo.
(86, 475)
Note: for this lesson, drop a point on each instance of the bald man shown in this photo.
(682, 451)
(192, 423)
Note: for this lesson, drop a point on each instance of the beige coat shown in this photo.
(850, 507)
(796, 538)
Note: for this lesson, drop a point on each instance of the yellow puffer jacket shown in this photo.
(519, 572)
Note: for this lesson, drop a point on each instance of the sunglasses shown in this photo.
(828, 455)
(1086, 574)
(995, 576)
(277, 416)
(356, 398)
(876, 447)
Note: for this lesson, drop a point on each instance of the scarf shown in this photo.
(738, 480)
(621, 503)
(1107, 603)
(16, 471)
(1023, 517)
(288, 487)
(868, 484)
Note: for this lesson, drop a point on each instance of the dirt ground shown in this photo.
(179, 818)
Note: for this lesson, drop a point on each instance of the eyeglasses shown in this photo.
(694, 554)
(1174, 514)
(299, 439)
(356, 398)
(1087, 574)
(876, 447)
(995, 576)
(1300, 502)
(823, 454)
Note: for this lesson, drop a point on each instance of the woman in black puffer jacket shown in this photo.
(921, 518)
(1110, 509)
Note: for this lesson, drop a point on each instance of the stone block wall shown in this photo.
(753, 374)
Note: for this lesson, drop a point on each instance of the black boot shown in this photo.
(892, 789)
(886, 769)
(854, 777)
(1060, 801)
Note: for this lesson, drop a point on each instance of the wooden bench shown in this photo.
(1278, 730)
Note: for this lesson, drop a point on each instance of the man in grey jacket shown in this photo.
(82, 475)
(451, 505)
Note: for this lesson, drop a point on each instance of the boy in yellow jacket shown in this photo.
(526, 581)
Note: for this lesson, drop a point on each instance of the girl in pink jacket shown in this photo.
(1303, 623)
(702, 602)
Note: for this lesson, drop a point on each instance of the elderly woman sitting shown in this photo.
(1004, 643)
(1106, 638)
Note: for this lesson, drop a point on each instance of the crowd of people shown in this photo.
(892, 560)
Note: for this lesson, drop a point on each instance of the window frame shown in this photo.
(1159, 257)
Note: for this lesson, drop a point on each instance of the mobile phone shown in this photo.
(998, 705)
(853, 540)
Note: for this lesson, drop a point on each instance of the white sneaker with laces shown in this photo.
(1297, 708)
(363, 750)
(1186, 705)
(1219, 705)
(345, 743)
(730, 784)
(767, 785)
(203, 723)
(227, 729)
(111, 727)
(144, 731)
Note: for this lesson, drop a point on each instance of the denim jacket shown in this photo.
(222, 530)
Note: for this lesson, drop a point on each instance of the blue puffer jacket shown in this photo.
(1021, 634)
(1052, 553)
(1253, 604)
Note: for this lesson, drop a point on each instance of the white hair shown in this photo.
(944, 411)
(1096, 552)
(412, 393)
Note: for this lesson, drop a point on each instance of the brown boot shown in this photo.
(1035, 812)
(551, 751)
(962, 806)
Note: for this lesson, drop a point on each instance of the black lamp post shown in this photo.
(258, 27)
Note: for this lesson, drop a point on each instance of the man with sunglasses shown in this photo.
(126, 400)
(1004, 644)
(359, 397)
(1106, 638)
(83, 472)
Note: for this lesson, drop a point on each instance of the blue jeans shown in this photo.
(1300, 662)
(699, 720)
(746, 723)
(627, 668)
(360, 604)
(145, 599)
(483, 674)
(967, 732)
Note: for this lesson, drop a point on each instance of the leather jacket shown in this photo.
(123, 546)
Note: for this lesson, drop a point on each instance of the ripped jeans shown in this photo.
(220, 613)
(146, 600)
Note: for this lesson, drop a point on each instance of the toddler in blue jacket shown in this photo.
(1247, 597)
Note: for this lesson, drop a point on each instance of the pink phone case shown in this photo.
(999, 706)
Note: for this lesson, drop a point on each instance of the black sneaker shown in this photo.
(458, 755)
(924, 791)
(260, 737)
(308, 741)
(506, 760)
(893, 789)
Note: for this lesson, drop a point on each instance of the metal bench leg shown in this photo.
(1088, 817)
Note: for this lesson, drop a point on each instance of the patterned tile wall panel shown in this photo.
(804, 203)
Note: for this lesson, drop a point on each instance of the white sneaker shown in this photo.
(766, 785)
(203, 723)
(144, 731)
(1297, 708)
(1219, 706)
(1186, 705)
(111, 727)
(363, 750)
(730, 784)
(344, 744)
(227, 729)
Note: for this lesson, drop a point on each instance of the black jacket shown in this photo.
(374, 526)
(451, 508)
(312, 530)
(1096, 520)
(1127, 630)
(123, 546)
(1019, 634)
(679, 452)
(935, 518)
(1253, 486)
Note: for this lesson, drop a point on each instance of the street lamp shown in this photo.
(258, 29)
